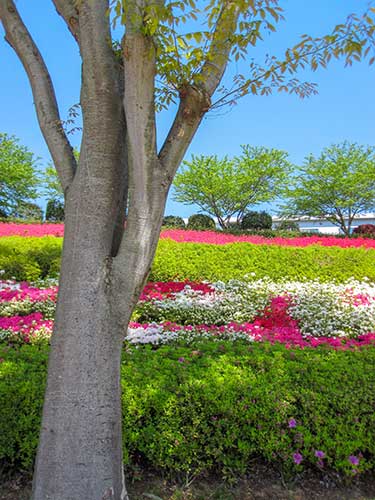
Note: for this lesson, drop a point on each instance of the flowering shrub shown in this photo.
(367, 229)
(23, 299)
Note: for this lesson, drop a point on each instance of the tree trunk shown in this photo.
(80, 450)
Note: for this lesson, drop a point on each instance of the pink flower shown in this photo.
(353, 460)
(217, 238)
(292, 423)
(297, 458)
(12, 229)
(209, 237)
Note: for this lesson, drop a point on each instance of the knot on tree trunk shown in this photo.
(196, 102)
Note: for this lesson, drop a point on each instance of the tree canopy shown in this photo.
(336, 186)
(19, 178)
(52, 187)
(225, 188)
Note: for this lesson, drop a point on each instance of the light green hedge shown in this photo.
(32, 258)
(196, 262)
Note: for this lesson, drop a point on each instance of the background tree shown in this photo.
(55, 210)
(52, 185)
(19, 177)
(256, 221)
(28, 211)
(288, 225)
(225, 188)
(174, 221)
(104, 264)
(54, 194)
(336, 186)
(201, 222)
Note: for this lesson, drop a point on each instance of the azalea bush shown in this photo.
(217, 406)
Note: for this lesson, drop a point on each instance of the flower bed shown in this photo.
(217, 238)
(37, 230)
(208, 237)
(296, 314)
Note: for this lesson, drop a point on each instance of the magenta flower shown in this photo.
(353, 460)
(297, 458)
(292, 423)
(320, 454)
(181, 360)
(216, 238)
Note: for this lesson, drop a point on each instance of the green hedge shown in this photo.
(217, 406)
(32, 258)
(196, 262)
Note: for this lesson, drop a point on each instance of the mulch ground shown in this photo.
(263, 484)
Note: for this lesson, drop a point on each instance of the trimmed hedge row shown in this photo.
(197, 262)
(217, 406)
(32, 258)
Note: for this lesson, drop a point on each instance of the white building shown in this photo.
(316, 225)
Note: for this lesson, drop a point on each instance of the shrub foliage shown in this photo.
(256, 221)
(201, 222)
(217, 406)
(29, 259)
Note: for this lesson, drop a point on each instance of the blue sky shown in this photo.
(344, 109)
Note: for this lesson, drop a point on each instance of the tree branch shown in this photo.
(195, 100)
(217, 57)
(101, 90)
(17, 35)
(69, 13)
(139, 105)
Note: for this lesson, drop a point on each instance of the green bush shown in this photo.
(288, 225)
(200, 222)
(217, 406)
(55, 210)
(199, 261)
(30, 258)
(256, 220)
(174, 221)
(22, 382)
